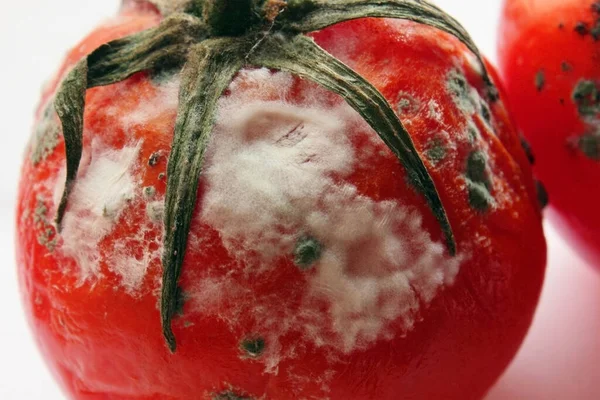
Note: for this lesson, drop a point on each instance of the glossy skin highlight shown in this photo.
(545, 50)
(103, 339)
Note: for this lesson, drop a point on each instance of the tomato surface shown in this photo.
(549, 57)
(378, 310)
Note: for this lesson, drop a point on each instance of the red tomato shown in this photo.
(380, 310)
(550, 60)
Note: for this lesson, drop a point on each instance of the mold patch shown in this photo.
(46, 136)
(100, 193)
(478, 182)
(46, 231)
(275, 174)
(586, 97)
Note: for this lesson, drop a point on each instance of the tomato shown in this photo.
(313, 267)
(549, 58)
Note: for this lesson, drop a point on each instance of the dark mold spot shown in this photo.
(253, 347)
(540, 80)
(593, 29)
(485, 112)
(566, 67)
(407, 105)
(542, 194)
(436, 151)
(589, 145)
(46, 136)
(307, 252)
(493, 94)
(478, 182)
(582, 28)
(472, 132)
(229, 395)
(587, 97)
(46, 231)
(154, 159)
(149, 192)
(528, 150)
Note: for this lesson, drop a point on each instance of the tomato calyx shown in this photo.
(210, 41)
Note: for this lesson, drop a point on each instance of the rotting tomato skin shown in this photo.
(104, 342)
(545, 50)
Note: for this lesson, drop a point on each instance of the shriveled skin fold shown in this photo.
(313, 268)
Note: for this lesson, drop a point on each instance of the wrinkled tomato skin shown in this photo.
(104, 342)
(545, 50)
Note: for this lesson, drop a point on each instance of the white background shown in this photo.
(560, 359)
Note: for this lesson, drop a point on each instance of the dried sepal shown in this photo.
(69, 105)
(211, 67)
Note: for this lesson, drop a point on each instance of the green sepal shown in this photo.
(304, 16)
(153, 49)
(210, 69)
(69, 105)
(300, 55)
(163, 47)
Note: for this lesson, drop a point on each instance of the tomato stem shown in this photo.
(229, 17)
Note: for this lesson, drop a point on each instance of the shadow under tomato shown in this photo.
(559, 359)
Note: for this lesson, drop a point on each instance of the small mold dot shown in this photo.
(582, 28)
(540, 80)
(542, 194)
(149, 192)
(307, 252)
(253, 347)
(154, 159)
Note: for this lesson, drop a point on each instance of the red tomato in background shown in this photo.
(549, 57)
(384, 312)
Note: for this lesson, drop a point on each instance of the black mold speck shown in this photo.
(485, 112)
(436, 151)
(229, 395)
(307, 252)
(154, 159)
(528, 150)
(253, 347)
(590, 146)
(582, 28)
(540, 80)
(542, 194)
(587, 97)
(149, 192)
